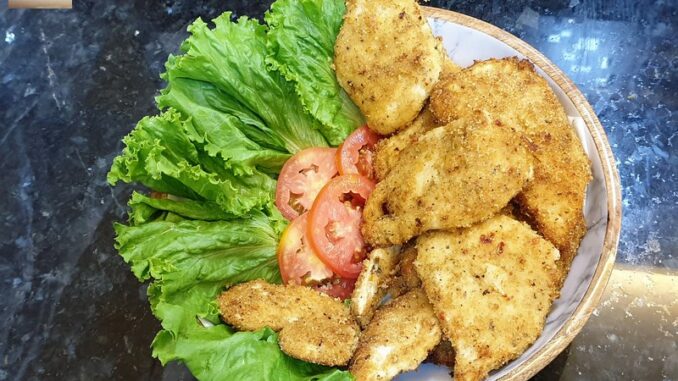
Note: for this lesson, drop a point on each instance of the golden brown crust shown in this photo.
(510, 91)
(388, 150)
(449, 68)
(398, 338)
(387, 60)
(491, 287)
(313, 326)
(407, 270)
(320, 340)
(453, 176)
(405, 278)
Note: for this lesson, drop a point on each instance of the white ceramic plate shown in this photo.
(466, 40)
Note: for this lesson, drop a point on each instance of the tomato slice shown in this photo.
(334, 224)
(297, 261)
(301, 178)
(341, 288)
(356, 153)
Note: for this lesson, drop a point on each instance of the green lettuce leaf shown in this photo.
(177, 253)
(209, 106)
(190, 262)
(165, 153)
(300, 41)
(217, 354)
(223, 133)
(232, 57)
(234, 110)
(146, 209)
(213, 351)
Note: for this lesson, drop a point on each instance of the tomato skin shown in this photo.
(334, 224)
(297, 261)
(301, 178)
(355, 154)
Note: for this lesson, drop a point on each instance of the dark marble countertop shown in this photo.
(74, 82)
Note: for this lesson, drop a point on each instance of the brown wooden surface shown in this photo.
(602, 274)
(40, 4)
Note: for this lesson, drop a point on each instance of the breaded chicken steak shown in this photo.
(510, 92)
(399, 338)
(453, 176)
(387, 60)
(388, 149)
(313, 326)
(491, 287)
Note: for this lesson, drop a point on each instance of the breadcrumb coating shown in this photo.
(398, 339)
(453, 176)
(312, 326)
(491, 287)
(387, 60)
(511, 92)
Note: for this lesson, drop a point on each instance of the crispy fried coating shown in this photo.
(312, 326)
(405, 278)
(388, 150)
(320, 339)
(491, 287)
(387, 60)
(406, 268)
(511, 92)
(398, 338)
(253, 305)
(453, 176)
(449, 68)
(373, 282)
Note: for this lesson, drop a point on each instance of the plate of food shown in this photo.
(367, 190)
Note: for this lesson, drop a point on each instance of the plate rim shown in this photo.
(591, 298)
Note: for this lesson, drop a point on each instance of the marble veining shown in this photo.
(74, 82)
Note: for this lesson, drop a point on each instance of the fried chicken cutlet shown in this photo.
(388, 150)
(373, 282)
(406, 280)
(453, 176)
(312, 326)
(511, 92)
(398, 339)
(491, 287)
(387, 60)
